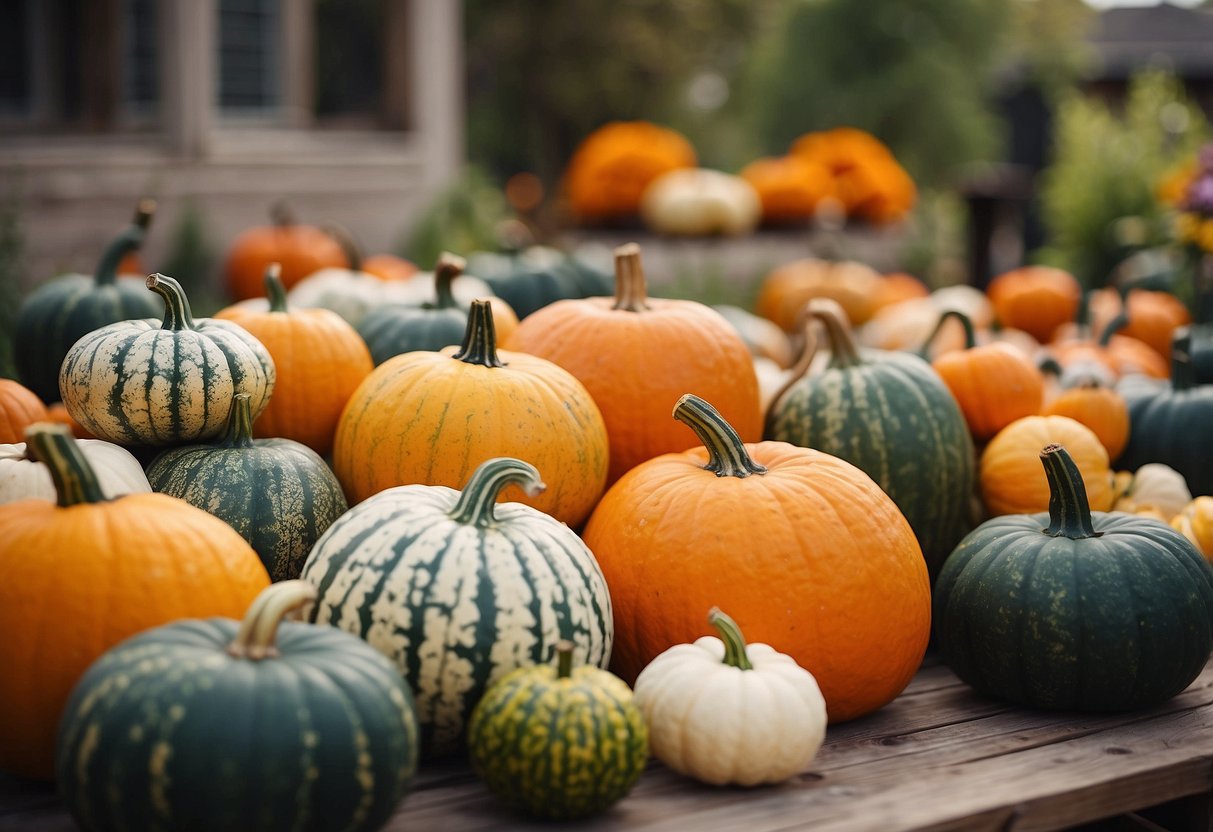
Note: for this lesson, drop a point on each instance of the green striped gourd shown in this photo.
(261, 725)
(890, 415)
(458, 591)
(1075, 610)
(398, 328)
(157, 383)
(556, 742)
(277, 493)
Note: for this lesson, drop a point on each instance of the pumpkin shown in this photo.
(1011, 479)
(1170, 423)
(150, 383)
(538, 277)
(608, 172)
(558, 743)
(1097, 405)
(88, 572)
(319, 361)
(1152, 486)
(699, 202)
(20, 407)
(389, 267)
(785, 290)
(57, 412)
(22, 477)
(1195, 522)
(277, 493)
(1036, 299)
(636, 355)
(889, 414)
(61, 311)
(766, 721)
(789, 187)
(458, 591)
(1119, 353)
(867, 178)
(1153, 316)
(802, 546)
(260, 724)
(994, 384)
(301, 249)
(1072, 609)
(465, 405)
(896, 287)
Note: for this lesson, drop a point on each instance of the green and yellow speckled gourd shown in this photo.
(393, 329)
(62, 311)
(558, 742)
(155, 383)
(277, 493)
(260, 725)
(890, 415)
(1075, 610)
(458, 590)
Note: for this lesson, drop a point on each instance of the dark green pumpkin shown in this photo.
(217, 724)
(890, 415)
(399, 328)
(277, 493)
(61, 311)
(556, 742)
(530, 283)
(1074, 609)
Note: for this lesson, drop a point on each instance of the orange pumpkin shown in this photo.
(804, 549)
(301, 249)
(1153, 316)
(867, 178)
(1099, 407)
(636, 355)
(433, 417)
(1012, 480)
(994, 383)
(1036, 299)
(898, 286)
(786, 289)
(57, 412)
(89, 572)
(1119, 353)
(789, 187)
(1195, 522)
(320, 361)
(608, 173)
(20, 407)
(389, 267)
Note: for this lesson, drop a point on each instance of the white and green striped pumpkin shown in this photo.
(22, 477)
(146, 382)
(216, 724)
(458, 591)
(278, 493)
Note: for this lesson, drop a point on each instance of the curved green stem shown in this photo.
(274, 290)
(1114, 326)
(1183, 374)
(54, 446)
(128, 240)
(239, 432)
(255, 640)
(448, 267)
(734, 642)
(843, 350)
(177, 315)
(949, 314)
(631, 291)
(1069, 509)
(480, 338)
(479, 496)
(564, 659)
(727, 454)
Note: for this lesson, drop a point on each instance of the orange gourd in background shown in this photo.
(608, 173)
(19, 408)
(1036, 299)
(301, 249)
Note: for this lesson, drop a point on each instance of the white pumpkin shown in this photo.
(1153, 486)
(22, 478)
(700, 202)
(725, 712)
(351, 294)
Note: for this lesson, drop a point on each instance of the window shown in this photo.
(248, 56)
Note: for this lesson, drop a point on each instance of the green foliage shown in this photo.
(914, 74)
(11, 244)
(1099, 198)
(465, 217)
(192, 259)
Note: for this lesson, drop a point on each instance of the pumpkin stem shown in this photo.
(734, 642)
(1069, 509)
(239, 432)
(128, 240)
(274, 290)
(564, 658)
(353, 253)
(949, 314)
(480, 338)
(281, 214)
(479, 496)
(631, 293)
(843, 350)
(1114, 326)
(727, 454)
(177, 315)
(259, 629)
(448, 267)
(54, 446)
(1183, 375)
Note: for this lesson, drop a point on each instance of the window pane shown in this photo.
(349, 57)
(141, 85)
(16, 95)
(248, 54)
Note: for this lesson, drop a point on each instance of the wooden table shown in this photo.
(938, 757)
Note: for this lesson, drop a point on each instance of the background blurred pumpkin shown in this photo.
(867, 179)
(1195, 522)
(1098, 406)
(1012, 479)
(786, 289)
(19, 408)
(699, 202)
(301, 249)
(789, 187)
(609, 171)
(1153, 316)
(1036, 299)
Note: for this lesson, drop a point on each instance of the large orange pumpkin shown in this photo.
(609, 171)
(433, 417)
(19, 408)
(87, 573)
(636, 355)
(320, 360)
(1036, 299)
(301, 249)
(803, 549)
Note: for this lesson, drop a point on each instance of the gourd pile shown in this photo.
(537, 517)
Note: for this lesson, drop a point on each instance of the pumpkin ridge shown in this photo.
(115, 409)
